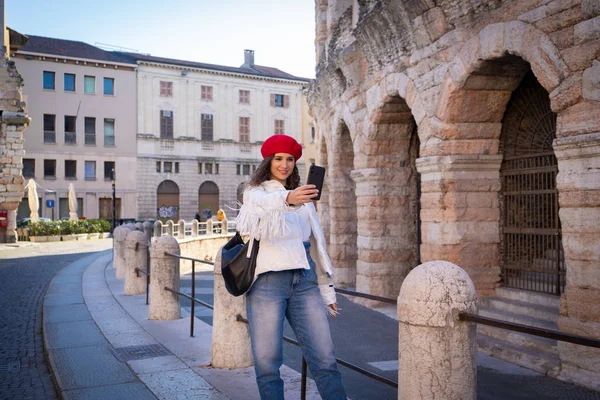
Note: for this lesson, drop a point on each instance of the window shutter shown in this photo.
(286, 101)
(272, 99)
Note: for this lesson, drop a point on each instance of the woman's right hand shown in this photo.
(303, 194)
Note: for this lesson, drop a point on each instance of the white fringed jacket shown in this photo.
(267, 217)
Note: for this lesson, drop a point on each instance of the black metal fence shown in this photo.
(466, 317)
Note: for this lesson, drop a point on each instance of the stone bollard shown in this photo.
(224, 227)
(181, 234)
(148, 229)
(130, 225)
(195, 228)
(230, 338)
(436, 350)
(209, 227)
(170, 227)
(164, 272)
(139, 226)
(120, 234)
(136, 256)
(158, 229)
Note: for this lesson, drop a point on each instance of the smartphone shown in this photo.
(316, 175)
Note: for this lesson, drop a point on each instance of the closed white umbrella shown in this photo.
(72, 203)
(32, 199)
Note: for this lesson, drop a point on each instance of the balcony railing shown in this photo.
(90, 138)
(70, 138)
(49, 137)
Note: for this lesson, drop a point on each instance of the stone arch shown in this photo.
(167, 201)
(208, 200)
(342, 206)
(460, 155)
(387, 190)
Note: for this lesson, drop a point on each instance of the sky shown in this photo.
(281, 32)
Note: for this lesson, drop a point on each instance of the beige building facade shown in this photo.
(200, 129)
(468, 131)
(82, 101)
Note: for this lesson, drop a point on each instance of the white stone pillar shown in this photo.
(181, 234)
(230, 339)
(136, 256)
(120, 234)
(195, 228)
(170, 229)
(224, 227)
(148, 229)
(158, 229)
(436, 350)
(164, 272)
(209, 227)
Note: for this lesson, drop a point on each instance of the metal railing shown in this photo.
(49, 137)
(70, 138)
(239, 318)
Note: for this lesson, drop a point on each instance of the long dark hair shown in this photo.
(263, 173)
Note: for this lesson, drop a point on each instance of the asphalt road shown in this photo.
(25, 273)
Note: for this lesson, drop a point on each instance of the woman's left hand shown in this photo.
(333, 307)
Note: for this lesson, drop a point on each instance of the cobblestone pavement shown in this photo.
(25, 272)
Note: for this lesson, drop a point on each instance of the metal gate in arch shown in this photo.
(532, 253)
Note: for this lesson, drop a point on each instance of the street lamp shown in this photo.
(112, 178)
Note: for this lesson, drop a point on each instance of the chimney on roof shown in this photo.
(248, 59)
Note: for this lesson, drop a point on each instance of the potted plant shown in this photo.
(53, 231)
(80, 229)
(104, 228)
(66, 230)
(92, 230)
(38, 232)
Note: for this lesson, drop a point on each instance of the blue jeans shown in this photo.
(292, 294)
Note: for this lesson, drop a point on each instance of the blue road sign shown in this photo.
(49, 203)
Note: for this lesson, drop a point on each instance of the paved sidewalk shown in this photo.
(101, 344)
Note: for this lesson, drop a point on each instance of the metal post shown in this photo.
(148, 276)
(113, 199)
(303, 383)
(193, 297)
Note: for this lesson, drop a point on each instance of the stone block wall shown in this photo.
(451, 66)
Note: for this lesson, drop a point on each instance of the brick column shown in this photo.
(578, 183)
(460, 214)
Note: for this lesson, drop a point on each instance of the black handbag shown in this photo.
(236, 267)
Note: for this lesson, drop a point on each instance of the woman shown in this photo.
(280, 213)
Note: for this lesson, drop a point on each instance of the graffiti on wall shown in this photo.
(168, 211)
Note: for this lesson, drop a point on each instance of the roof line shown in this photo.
(90, 60)
(222, 72)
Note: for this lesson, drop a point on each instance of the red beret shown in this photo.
(281, 144)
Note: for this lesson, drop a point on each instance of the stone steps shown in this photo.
(525, 308)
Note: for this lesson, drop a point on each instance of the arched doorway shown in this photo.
(167, 201)
(208, 200)
(532, 254)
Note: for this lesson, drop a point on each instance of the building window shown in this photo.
(279, 127)
(109, 86)
(49, 80)
(312, 134)
(29, 167)
(199, 167)
(216, 169)
(176, 167)
(70, 132)
(206, 127)
(109, 132)
(280, 100)
(168, 166)
(89, 84)
(246, 169)
(158, 166)
(245, 129)
(49, 128)
(69, 82)
(166, 124)
(208, 168)
(70, 169)
(166, 89)
(108, 167)
(90, 170)
(90, 130)
(244, 97)
(49, 169)
(206, 93)
(238, 169)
